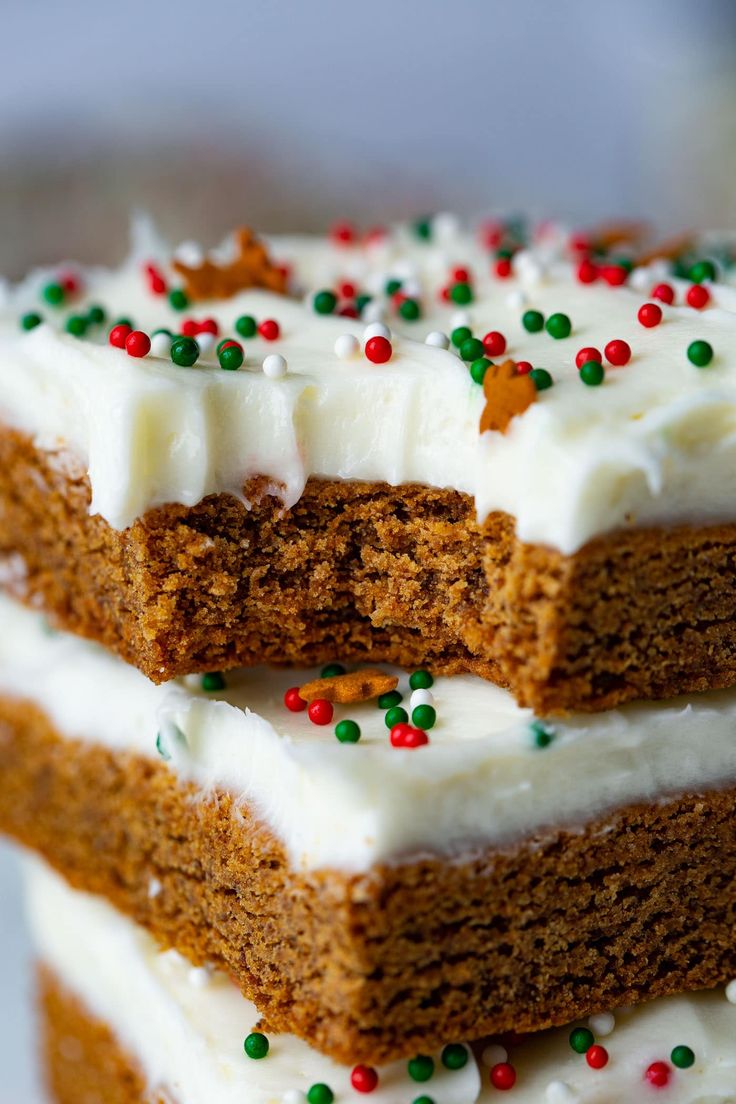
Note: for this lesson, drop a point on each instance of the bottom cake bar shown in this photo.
(125, 1023)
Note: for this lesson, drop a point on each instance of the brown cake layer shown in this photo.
(364, 571)
(83, 1061)
(370, 967)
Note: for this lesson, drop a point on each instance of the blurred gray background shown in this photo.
(294, 114)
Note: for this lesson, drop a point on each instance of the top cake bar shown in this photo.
(536, 487)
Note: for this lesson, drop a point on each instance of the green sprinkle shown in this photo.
(160, 747)
(361, 302)
(76, 324)
(184, 352)
(420, 680)
(123, 322)
(213, 680)
(581, 1039)
(96, 315)
(542, 734)
(331, 670)
(460, 334)
(462, 294)
(420, 1068)
(231, 358)
(682, 1057)
(347, 732)
(423, 228)
(53, 294)
(390, 699)
(396, 715)
(454, 1056)
(320, 1094)
(246, 325)
(702, 270)
(479, 368)
(541, 378)
(30, 321)
(558, 325)
(472, 348)
(324, 302)
(178, 299)
(256, 1045)
(700, 353)
(410, 310)
(592, 373)
(423, 1100)
(532, 321)
(392, 286)
(424, 716)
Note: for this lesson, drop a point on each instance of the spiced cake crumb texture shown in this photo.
(371, 967)
(367, 573)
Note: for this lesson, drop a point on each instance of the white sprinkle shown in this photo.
(161, 345)
(515, 300)
(199, 977)
(445, 226)
(731, 992)
(421, 697)
(559, 1092)
(154, 888)
(293, 1096)
(376, 329)
(640, 279)
(602, 1024)
(190, 253)
(374, 311)
(493, 1055)
(274, 366)
(346, 346)
(412, 288)
(206, 342)
(461, 318)
(439, 340)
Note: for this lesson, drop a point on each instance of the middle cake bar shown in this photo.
(509, 874)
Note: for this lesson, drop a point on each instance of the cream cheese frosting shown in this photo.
(186, 1026)
(656, 443)
(190, 1040)
(482, 780)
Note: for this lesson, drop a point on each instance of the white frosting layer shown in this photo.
(480, 781)
(186, 1027)
(655, 443)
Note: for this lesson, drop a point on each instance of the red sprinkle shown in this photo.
(580, 243)
(320, 711)
(596, 1056)
(588, 272)
(156, 282)
(588, 353)
(697, 296)
(189, 327)
(398, 733)
(346, 290)
(209, 326)
(658, 1074)
(664, 292)
(444, 294)
(494, 343)
(503, 268)
(70, 283)
(523, 367)
(269, 330)
(364, 1079)
(460, 276)
(503, 1076)
(227, 344)
(490, 234)
(118, 335)
(292, 701)
(618, 353)
(137, 343)
(348, 311)
(343, 233)
(378, 350)
(650, 315)
(615, 275)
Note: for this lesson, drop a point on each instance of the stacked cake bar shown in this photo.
(367, 667)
